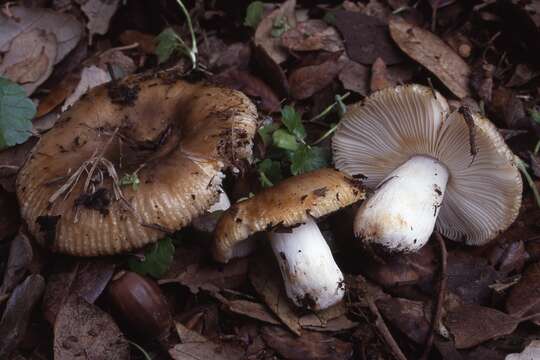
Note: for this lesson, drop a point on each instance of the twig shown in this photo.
(437, 314)
(383, 329)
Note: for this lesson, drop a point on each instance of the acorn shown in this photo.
(140, 303)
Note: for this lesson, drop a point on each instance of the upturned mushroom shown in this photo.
(287, 213)
(429, 168)
(174, 137)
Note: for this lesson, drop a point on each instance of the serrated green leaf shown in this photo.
(269, 172)
(16, 113)
(265, 132)
(293, 122)
(167, 44)
(157, 259)
(309, 158)
(285, 140)
(254, 14)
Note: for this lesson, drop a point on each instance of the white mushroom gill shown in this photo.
(312, 278)
(401, 214)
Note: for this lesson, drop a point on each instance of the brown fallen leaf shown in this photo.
(11, 159)
(431, 52)
(508, 107)
(524, 298)
(251, 86)
(20, 257)
(471, 325)
(147, 42)
(285, 18)
(509, 257)
(312, 35)
(482, 80)
(253, 310)
(84, 278)
(270, 71)
(99, 14)
(10, 220)
(307, 80)
(310, 345)
(380, 79)
(410, 317)
(355, 77)
(332, 319)
(83, 328)
(194, 346)
(15, 319)
(523, 73)
(366, 38)
(90, 77)
(266, 279)
(58, 94)
(212, 278)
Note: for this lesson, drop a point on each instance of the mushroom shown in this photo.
(429, 167)
(287, 212)
(175, 137)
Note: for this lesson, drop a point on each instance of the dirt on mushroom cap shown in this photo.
(289, 203)
(176, 136)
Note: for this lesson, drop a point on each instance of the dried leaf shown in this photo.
(266, 279)
(99, 14)
(471, 325)
(11, 160)
(82, 328)
(355, 77)
(307, 80)
(17, 313)
(310, 345)
(312, 35)
(263, 34)
(380, 79)
(20, 257)
(146, 41)
(58, 94)
(524, 298)
(409, 316)
(253, 310)
(531, 352)
(271, 72)
(332, 319)
(90, 77)
(366, 38)
(84, 278)
(430, 51)
(194, 346)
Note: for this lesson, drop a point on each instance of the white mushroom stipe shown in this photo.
(222, 204)
(402, 212)
(311, 277)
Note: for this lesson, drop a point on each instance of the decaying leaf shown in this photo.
(332, 319)
(430, 51)
(266, 279)
(380, 79)
(84, 278)
(99, 13)
(17, 313)
(20, 257)
(194, 346)
(11, 160)
(366, 38)
(307, 80)
(471, 325)
(91, 76)
(253, 310)
(531, 352)
(355, 77)
(58, 94)
(82, 328)
(524, 298)
(310, 345)
(312, 35)
(271, 42)
(410, 317)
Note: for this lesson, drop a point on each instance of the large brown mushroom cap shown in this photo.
(177, 136)
(291, 202)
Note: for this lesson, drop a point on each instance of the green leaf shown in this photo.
(254, 14)
(293, 121)
(279, 26)
(16, 113)
(130, 179)
(269, 172)
(285, 140)
(265, 132)
(167, 44)
(157, 259)
(535, 115)
(309, 158)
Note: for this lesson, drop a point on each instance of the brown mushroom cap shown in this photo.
(177, 136)
(290, 202)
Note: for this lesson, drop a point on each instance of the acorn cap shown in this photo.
(177, 137)
(291, 202)
(483, 194)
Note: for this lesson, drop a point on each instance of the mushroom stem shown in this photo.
(222, 204)
(402, 212)
(311, 277)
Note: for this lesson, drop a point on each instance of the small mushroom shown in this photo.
(429, 167)
(287, 212)
(176, 138)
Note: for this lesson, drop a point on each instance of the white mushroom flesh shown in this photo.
(312, 278)
(402, 212)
